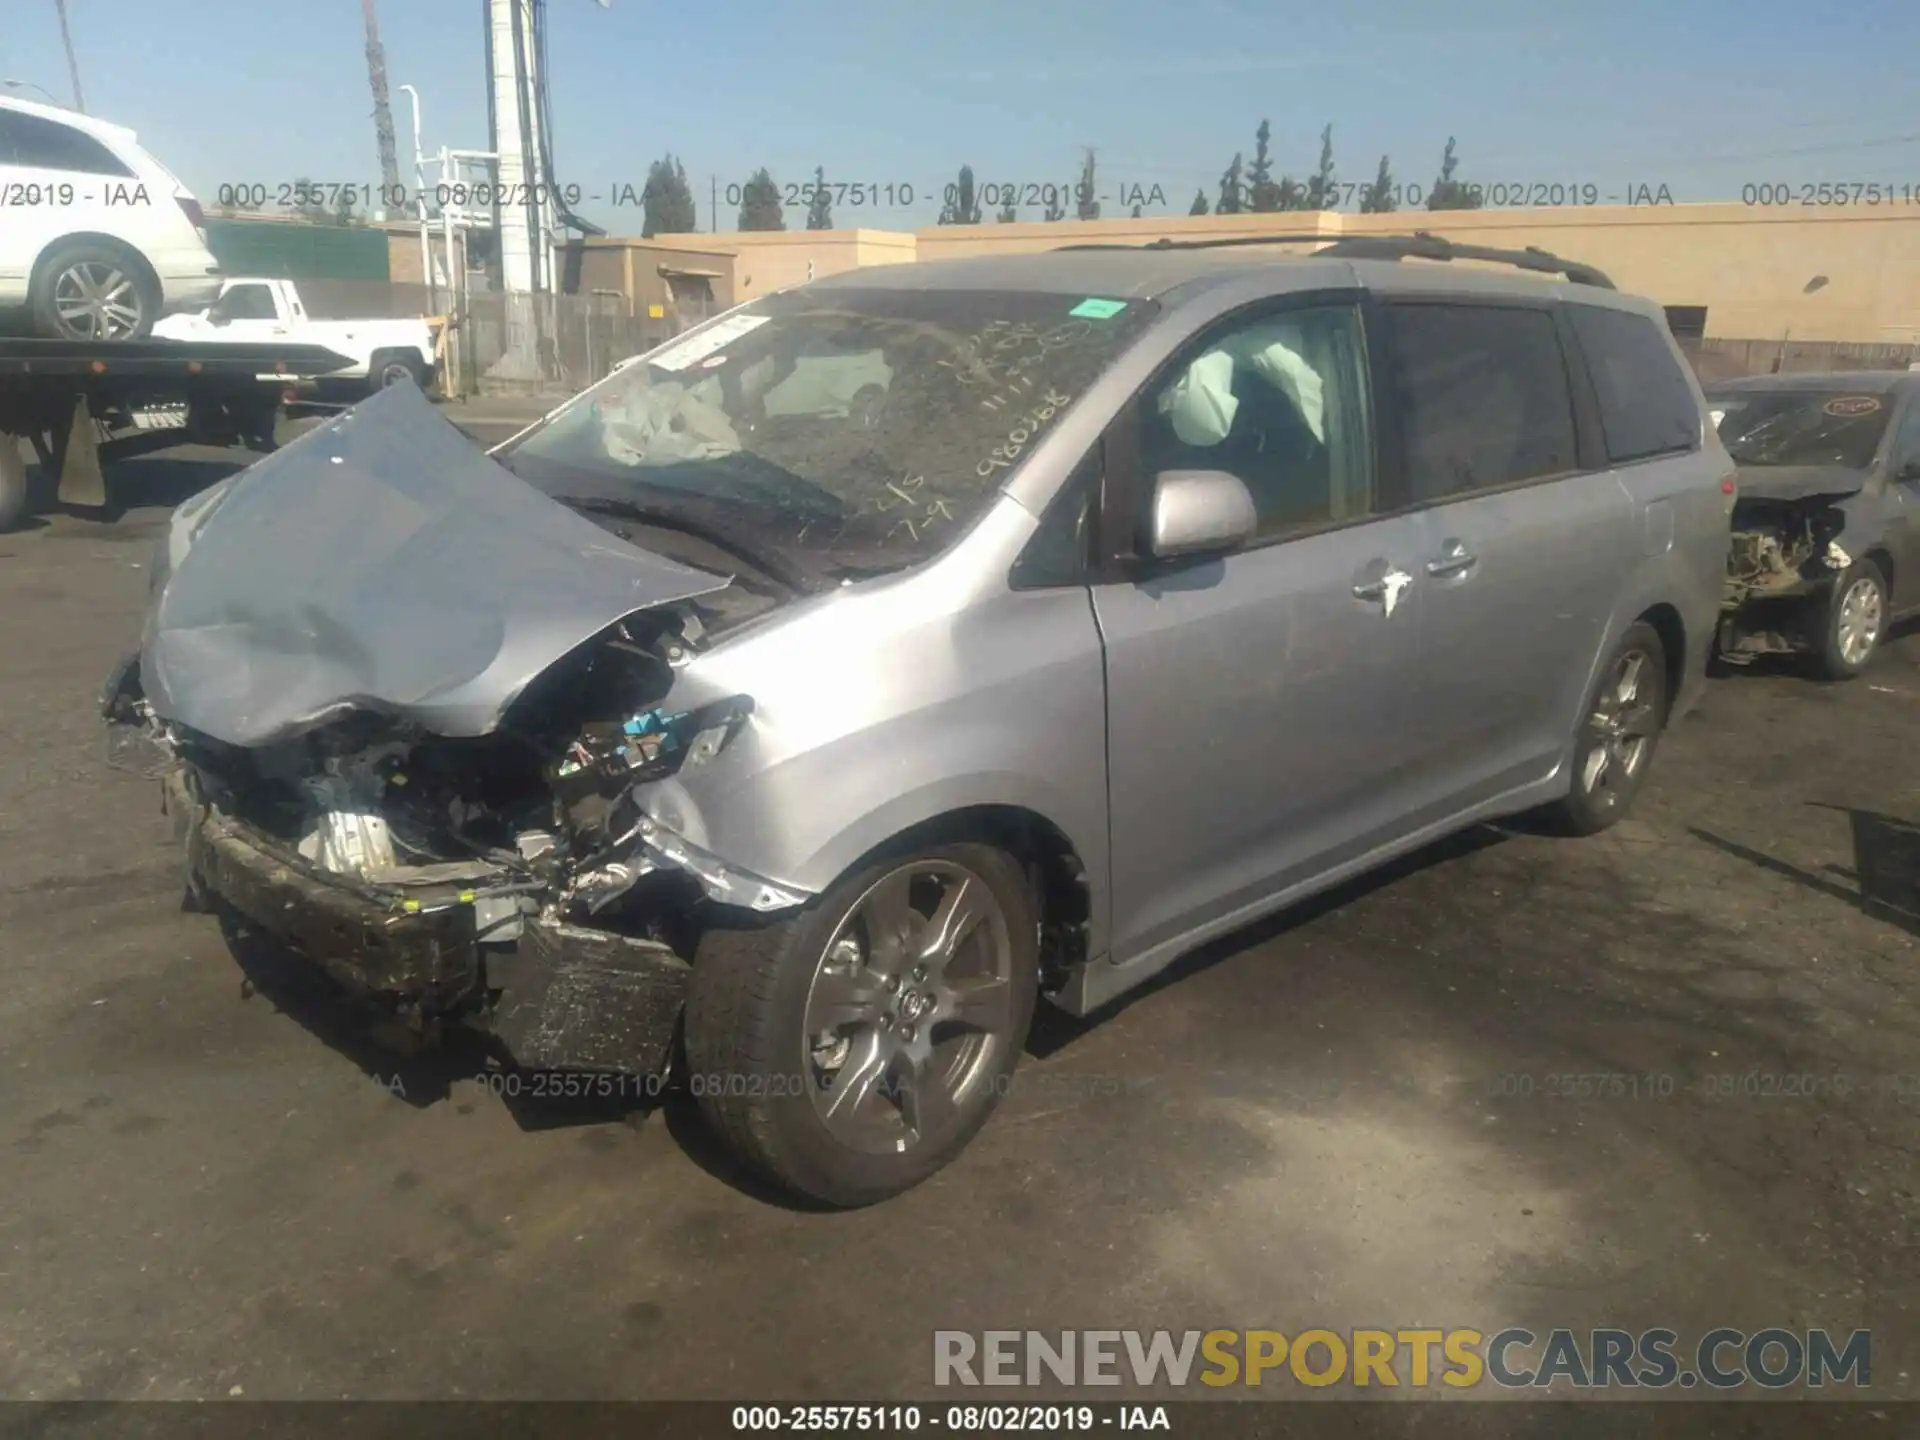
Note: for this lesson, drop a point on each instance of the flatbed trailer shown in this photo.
(81, 404)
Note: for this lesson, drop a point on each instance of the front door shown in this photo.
(246, 312)
(1258, 704)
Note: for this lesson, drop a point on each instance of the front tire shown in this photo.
(87, 290)
(1856, 618)
(852, 1051)
(1619, 730)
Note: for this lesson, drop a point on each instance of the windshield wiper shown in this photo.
(768, 562)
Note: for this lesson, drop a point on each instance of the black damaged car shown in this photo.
(1826, 530)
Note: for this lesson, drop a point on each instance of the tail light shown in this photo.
(196, 217)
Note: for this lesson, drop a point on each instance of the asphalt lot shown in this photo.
(1342, 1119)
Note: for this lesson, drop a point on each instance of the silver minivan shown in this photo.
(798, 750)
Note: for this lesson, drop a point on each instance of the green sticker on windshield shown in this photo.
(1097, 309)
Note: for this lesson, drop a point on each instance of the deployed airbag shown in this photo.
(381, 562)
(1201, 404)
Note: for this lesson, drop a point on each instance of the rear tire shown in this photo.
(91, 290)
(1619, 729)
(828, 1051)
(1855, 621)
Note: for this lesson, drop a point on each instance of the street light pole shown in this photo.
(420, 196)
(29, 85)
(73, 66)
(1818, 282)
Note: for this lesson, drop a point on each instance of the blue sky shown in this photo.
(1703, 96)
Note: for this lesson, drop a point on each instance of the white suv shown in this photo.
(97, 238)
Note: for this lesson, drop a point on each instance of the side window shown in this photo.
(1484, 398)
(1906, 445)
(7, 117)
(48, 145)
(1058, 552)
(1282, 403)
(244, 302)
(1646, 405)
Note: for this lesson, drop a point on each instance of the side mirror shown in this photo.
(1199, 512)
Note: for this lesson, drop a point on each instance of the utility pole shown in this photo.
(713, 206)
(524, 229)
(73, 65)
(382, 106)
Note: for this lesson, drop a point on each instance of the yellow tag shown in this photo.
(656, 312)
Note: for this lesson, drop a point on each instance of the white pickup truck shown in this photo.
(251, 311)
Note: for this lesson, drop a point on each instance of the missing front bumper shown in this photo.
(1776, 624)
(561, 997)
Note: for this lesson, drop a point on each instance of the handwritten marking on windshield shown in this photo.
(911, 491)
(1002, 351)
(1009, 450)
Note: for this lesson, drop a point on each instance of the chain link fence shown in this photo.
(554, 344)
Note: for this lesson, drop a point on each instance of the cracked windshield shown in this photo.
(1801, 428)
(868, 427)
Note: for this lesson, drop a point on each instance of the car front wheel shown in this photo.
(853, 1050)
(1856, 619)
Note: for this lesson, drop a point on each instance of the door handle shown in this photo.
(1386, 589)
(1454, 560)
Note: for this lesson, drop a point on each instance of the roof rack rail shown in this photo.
(1222, 243)
(1424, 245)
(1421, 245)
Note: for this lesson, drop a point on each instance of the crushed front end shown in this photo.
(1783, 557)
(406, 711)
(509, 881)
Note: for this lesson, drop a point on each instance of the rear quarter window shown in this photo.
(42, 144)
(1646, 406)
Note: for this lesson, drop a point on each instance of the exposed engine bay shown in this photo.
(511, 878)
(537, 817)
(1782, 558)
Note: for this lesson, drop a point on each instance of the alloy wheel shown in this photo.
(1620, 730)
(1857, 625)
(97, 300)
(910, 1008)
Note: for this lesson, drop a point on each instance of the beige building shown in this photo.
(1848, 274)
(1817, 274)
(767, 260)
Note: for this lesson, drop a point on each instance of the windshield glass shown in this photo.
(872, 426)
(1800, 427)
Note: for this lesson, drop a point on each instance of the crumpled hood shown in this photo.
(1799, 482)
(380, 562)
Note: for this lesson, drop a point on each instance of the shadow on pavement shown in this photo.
(1886, 866)
(422, 1069)
(1053, 1029)
(152, 481)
